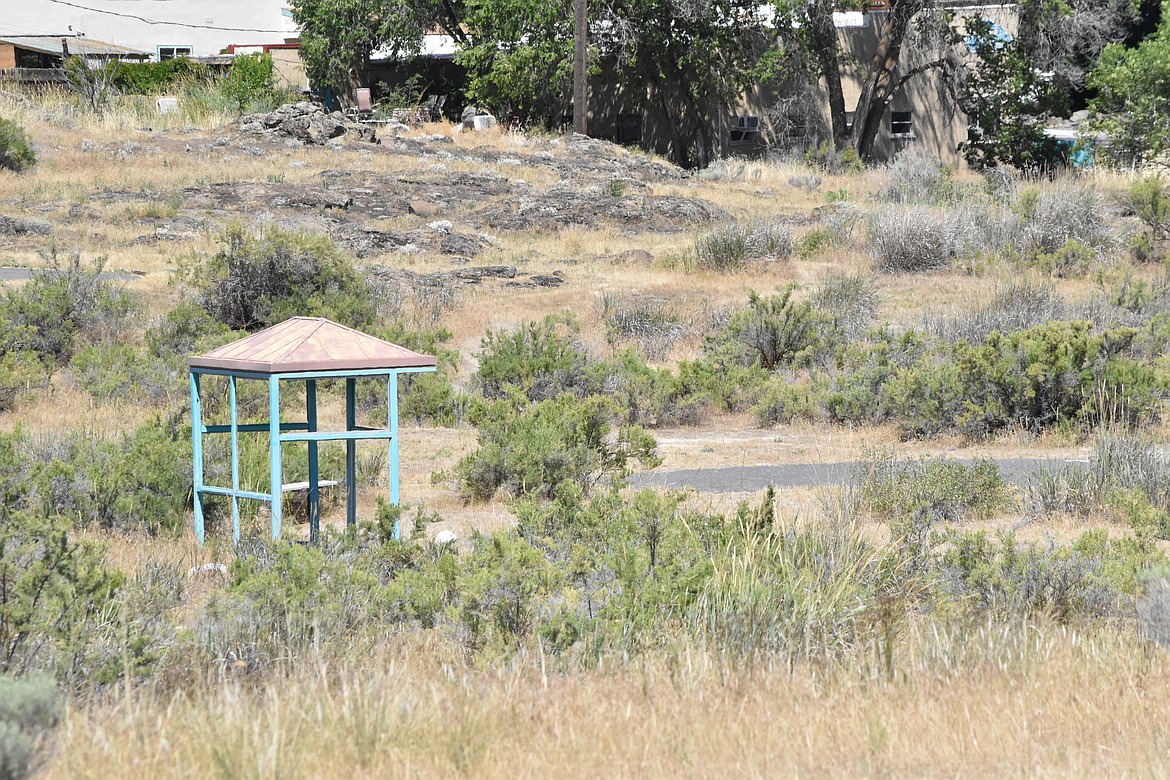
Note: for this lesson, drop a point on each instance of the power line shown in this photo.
(173, 24)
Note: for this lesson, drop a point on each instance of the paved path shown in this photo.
(9, 274)
(749, 479)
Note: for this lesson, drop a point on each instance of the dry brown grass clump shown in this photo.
(984, 701)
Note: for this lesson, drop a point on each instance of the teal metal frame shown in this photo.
(280, 433)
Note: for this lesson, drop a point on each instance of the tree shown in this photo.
(1005, 99)
(338, 36)
(1012, 84)
(1056, 38)
(696, 56)
(519, 57)
(93, 82)
(1132, 106)
(250, 80)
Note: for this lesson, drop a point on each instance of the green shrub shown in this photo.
(21, 371)
(645, 396)
(29, 708)
(731, 247)
(58, 306)
(249, 83)
(187, 329)
(1056, 373)
(51, 588)
(771, 332)
(939, 487)
(152, 78)
(126, 372)
(721, 379)
(826, 158)
(263, 277)
(1149, 199)
(286, 599)
(1094, 577)
(539, 359)
(533, 449)
(140, 481)
(1070, 260)
(782, 401)
(16, 154)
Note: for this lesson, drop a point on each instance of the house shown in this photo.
(177, 28)
(39, 59)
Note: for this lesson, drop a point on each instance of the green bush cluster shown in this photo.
(262, 277)
(153, 78)
(529, 448)
(44, 322)
(29, 708)
(940, 488)
(16, 153)
(1059, 373)
(1006, 577)
(250, 82)
(589, 575)
(140, 481)
(731, 247)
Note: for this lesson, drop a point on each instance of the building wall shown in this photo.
(7, 56)
(254, 21)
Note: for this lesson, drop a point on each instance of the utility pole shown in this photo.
(580, 66)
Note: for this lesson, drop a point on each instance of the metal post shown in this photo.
(392, 426)
(197, 455)
(235, 460)
(314, 487)
(275, 470)
(350, 454)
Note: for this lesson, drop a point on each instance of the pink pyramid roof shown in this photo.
(309, 344)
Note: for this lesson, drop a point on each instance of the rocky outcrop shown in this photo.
(306, 122)
(16, 226)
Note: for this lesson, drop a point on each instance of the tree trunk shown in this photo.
(824, 39)
(580, 66)
(878, 89)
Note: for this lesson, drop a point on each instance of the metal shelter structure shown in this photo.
(302, 349)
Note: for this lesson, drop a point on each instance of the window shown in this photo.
(901, 124)
(849, 120)
(744, 128)
(629, 128)
(171, 52)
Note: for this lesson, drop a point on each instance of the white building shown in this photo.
(197, 28)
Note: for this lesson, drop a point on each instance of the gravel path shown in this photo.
(749, 479)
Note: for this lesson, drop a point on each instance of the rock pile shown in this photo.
(307, 122)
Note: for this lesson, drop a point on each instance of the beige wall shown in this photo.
(7, 56)
(289, 68)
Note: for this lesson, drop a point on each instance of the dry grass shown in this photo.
(985, 701)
